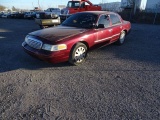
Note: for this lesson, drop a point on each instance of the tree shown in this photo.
(14, 9)
(134, 5)
(158, 5)
(157, 9)
(2, 8)
(8, 10)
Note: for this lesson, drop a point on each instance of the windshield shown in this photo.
(52, 9)
(81, 20)
(73, 4)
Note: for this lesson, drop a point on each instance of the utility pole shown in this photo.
(32, 5)
(135, 6)
(38, 4)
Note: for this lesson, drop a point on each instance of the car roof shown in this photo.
(53, 8)
(98, 12)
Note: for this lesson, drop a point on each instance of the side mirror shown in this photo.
(101, 26)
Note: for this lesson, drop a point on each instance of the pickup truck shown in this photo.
(51, 19)
(48, 17)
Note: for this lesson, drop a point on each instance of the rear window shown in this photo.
(115, 19)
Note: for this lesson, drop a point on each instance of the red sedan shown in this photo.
(80, 33)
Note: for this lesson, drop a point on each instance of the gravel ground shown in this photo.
(115, 82)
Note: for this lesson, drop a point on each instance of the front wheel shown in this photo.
(42, 27)
(121, 38)
(78, 54)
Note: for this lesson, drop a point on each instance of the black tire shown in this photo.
(42, 27)
(78, 54)
(121, 39)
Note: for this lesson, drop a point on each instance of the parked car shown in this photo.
(13, 14)
(1, 14)
(6, 15)
(49, 17)
(78, 34)
(18, 15)
(30, 15)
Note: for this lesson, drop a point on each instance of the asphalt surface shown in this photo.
(115, 82)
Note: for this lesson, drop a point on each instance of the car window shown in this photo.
(114, 19)
(104, 20)
(73, 4)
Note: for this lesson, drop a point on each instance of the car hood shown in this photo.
(57, 33)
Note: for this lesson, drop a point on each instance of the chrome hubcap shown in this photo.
(80, 54)
(122, 37)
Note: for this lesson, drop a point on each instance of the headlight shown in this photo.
(54, 47)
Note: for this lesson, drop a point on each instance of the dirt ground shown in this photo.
(115, 82)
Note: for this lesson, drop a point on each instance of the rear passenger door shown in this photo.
(116, 26)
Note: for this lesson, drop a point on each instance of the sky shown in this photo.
(44, 4)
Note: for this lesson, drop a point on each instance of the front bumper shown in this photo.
(48, 22)
(48, 56)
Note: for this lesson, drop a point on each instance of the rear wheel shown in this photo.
(121, 38)
(78, 54)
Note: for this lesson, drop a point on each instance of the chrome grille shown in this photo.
(32, 42)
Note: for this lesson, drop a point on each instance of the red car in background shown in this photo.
(78, 34)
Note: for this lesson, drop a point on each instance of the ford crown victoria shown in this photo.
(78, 34)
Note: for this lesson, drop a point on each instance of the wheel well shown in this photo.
(81, 42)
(125, 31)
(85, 44)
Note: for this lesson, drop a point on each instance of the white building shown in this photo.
(147, 5)
(112, 6)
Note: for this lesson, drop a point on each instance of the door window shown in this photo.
(104, 19)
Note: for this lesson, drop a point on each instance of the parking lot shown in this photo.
(115, 82)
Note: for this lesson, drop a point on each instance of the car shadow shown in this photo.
(140, 48)
(12, 55)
